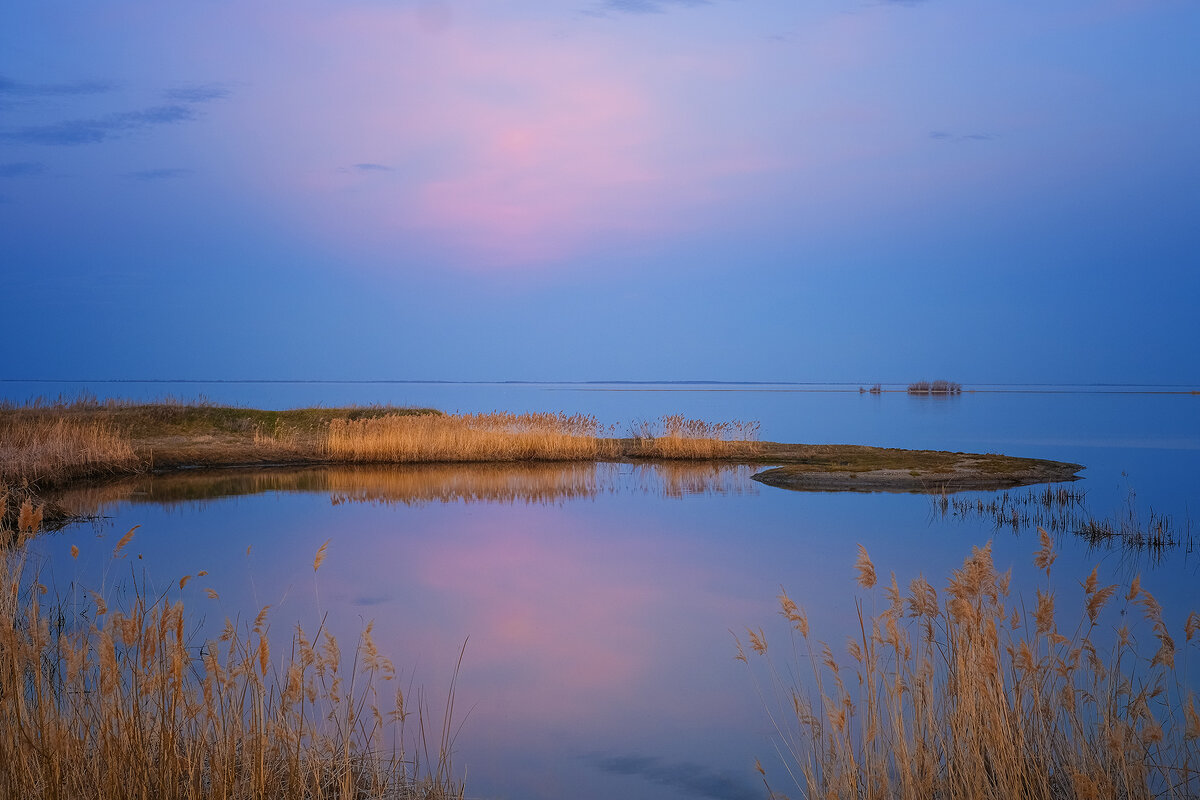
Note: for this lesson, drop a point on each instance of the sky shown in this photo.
(809, 190)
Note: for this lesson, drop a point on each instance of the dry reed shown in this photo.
(47, 443)
(530, 437)
(1060, 509)
(467, 437)
(49, 450)
(675, 436)
(967, 694)
(99, 702)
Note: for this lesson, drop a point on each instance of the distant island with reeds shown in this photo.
(45, 445)
(935, 387)
(939, 387)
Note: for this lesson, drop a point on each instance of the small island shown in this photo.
(847, 467)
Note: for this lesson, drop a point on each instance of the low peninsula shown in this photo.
(46, 446)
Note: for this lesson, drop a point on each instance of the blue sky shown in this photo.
(622, 189)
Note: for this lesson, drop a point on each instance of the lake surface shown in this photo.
(596, 601)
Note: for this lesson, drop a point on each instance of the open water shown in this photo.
(596, 601)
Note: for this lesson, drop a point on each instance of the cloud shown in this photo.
(369, 167)
(197, 93)
(645, 6)
(100, 129)
(18, 89)
(693, 779)
(165, 173)
(945, 136)
(21, 169)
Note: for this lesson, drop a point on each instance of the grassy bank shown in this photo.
(970, 693)
(119, 437)
(50, 445)
(103, 702)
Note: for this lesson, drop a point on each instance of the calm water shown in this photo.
(596, 601)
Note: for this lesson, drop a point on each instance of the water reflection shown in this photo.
(696, 780)
(417, 485)
(595, 600)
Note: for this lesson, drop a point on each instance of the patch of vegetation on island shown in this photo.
(935, 387)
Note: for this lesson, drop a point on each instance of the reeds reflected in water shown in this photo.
(418, 484)
(1060, 509)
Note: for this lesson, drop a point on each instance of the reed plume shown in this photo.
(971, 695)
(98, 702)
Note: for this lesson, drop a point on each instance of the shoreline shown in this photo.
(114, 440)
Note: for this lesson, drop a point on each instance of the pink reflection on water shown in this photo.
(547, 608)
(584, 627)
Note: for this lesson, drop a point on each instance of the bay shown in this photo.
(596, 602)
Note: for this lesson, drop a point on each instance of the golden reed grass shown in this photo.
(99, 702)
(467, 437)
(676, 436)
(53, 450)
(45, 444)
(530, 437)
(969, 694)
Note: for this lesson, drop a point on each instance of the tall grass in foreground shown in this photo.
(56, 450)
(104, 703)
(969, 694)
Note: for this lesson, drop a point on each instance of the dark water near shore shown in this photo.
(596, 601)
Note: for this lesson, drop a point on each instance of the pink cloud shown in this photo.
(508, 143)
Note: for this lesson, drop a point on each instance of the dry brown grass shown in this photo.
(676, 436)
(98, 702)
(48, 450)
(969, 694)
(468, 437)
(532, 437)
